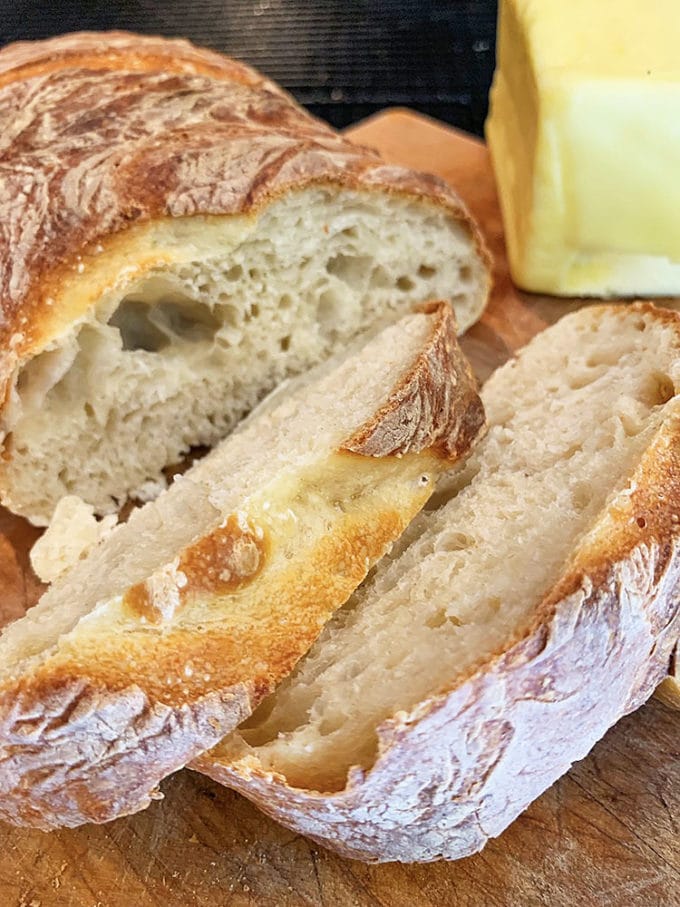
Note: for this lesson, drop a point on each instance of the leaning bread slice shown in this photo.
(535, 604)
(172, 629)
(176, 237)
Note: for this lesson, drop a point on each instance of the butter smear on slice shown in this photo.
(584, 134)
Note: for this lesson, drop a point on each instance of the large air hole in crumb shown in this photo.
(329, 724)
(154, 326)
(454, 541)
(603, 356)
(579, 380)
(572, 451)
(436, 620)
(659, 390)
(379, 278)
(351, 269)
(136, 330)
(632, 424)
(229, 314)
(581, 496)
(235, 272)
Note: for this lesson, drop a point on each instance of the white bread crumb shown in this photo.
(74, 529)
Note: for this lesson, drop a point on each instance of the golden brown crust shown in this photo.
(463, 764)
(435, 403)
(90, 152)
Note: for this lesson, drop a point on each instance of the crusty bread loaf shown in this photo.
(177, 236)
(533, 604)
(174, 627)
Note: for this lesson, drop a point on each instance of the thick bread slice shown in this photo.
(176, 625)
(533, 605)
(177, 236)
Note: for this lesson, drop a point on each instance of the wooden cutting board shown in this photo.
(606, 834)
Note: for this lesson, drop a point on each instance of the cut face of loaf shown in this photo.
(533, 603)
(172, 629)
(186, 237)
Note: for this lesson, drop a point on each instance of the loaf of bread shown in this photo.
(172, 628)
(176, 237)
(532, 604)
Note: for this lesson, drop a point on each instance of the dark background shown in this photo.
(344, 60)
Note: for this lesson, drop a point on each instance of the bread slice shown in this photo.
(178, 237)
(168, 633)
(533, 604)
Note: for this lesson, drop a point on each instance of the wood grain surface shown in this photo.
(606, 834)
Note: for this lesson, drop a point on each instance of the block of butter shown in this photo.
(584, 133)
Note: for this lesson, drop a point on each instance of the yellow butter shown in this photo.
(584, 134)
